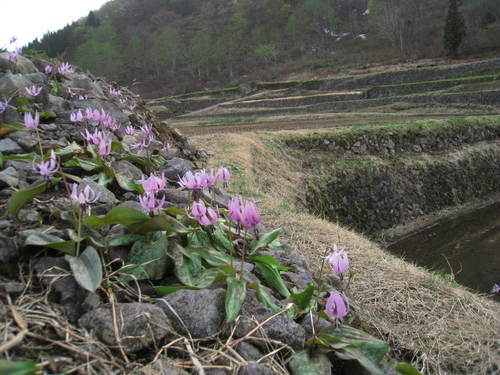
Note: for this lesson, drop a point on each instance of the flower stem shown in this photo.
(39, 143)
(78, 232)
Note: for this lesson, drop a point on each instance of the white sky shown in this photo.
(30, 19)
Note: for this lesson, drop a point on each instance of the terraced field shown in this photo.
(471, 88)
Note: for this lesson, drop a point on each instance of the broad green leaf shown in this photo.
(116, 146)
(265, 240)
(71, 149)
(148, 165)
(172, 289)
(118, 215)
(266, 300)
(50, 241)
(303, 300)
(86, 164)
(306, 363)
(87, 269)
(351, 353)
(27, 157)
(235, 296)
(46, 116)
(271, 261)
(125, 182)
(147, 260)
(214, 257)
(373, 348)
(273, 278)
(406, 369)
(159, 223)
(190, 272)
(21, 197)
(18, 368)
(200, 238)
(124, 240)
(173, 211)
(106, 177)
(221, 241)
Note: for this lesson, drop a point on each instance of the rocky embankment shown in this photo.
(88, 242)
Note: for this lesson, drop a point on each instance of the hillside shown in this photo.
(173, 46)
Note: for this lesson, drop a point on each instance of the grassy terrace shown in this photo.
(440, 326)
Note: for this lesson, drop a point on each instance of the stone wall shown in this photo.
(370, 198)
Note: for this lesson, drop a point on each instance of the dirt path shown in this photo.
(300, 124)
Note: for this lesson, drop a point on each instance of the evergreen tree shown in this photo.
(454, 30)
(92, 20)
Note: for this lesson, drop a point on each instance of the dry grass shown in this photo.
(441, 328)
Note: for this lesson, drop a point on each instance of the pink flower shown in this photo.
(31, 122)
(3, 106)
(166, 146)
(150, 203)
(130, 130)
(337, 306)
(223, 175)
(76, 116)
(131, 107)
(85, 197)
(95, 138)
(114, 92)
(139, 145)
(153, 184)
(33, 90)
(495, 288)
(13, 39)
(48, 69)
(209, 179)
(65, 68)
(104, 147)
(83, 97)
(46, 168)
(146, 129)
(190, 181)
(209, 218)
(198, 209)
(70, 92)
(249, 215)
(14, 55)
(123, 101)
(338, 260)
(234, 207)
(89, 114)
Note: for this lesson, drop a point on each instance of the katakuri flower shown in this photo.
(31, 122)
(13, 39)
(209, 218)
(130, 130)
(190, 181)
(65, 68)
(337, 306)
(3, 106)
(76, 116)
(234, 208)
(114, 92)
(223, 175)
(495, 288)
(33, 90)
(149, 203)
(13, 55)
(249, 215)
(95, 138)
(104, 146)
(48, 69)
(198, 209)
(146, 129)
(338, 260)
(153, 184)
(141, 145)
(85, 196)
(47, 168)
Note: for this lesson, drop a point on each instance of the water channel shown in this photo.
(467, 246)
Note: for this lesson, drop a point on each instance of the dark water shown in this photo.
(467, 246)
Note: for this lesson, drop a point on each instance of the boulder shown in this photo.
(176, 167)
(21, 65)
(8, 146)
(201, 311)
(140, 325)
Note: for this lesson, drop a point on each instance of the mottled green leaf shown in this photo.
(406, 369)
(264, 240)
(221, 241)
(303, 300)
(271, 261)
(272, 277)
(21, 197)
(124, 240)
(118, 215)
(87, 269)
(147, 260)
(17, 368)
(50, 241)
(159, 223)
(235, 296)
(266, 300)
(172, 289)
(86, 164)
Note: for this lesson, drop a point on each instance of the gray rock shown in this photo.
(9, 251)
(11, 115)
(83, 85)
(176, 196)
(248, 351)
(8, 146)
(299, 278)
(9, 177)
(280, 328)
(105, 196)
(132, 204)
(57, 104)
(140, 325)
(255, 369)
(201, 311)
(25, 139)
(161, 367)
(22, 65)
(303, 363)
(29, 215)
(176, 167)
(54, 273)
(5, 224)
(126, 171)
(319, 324)
(10, 83)
(48, 127)
(10, 286)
